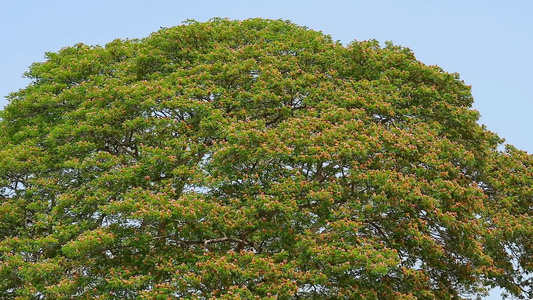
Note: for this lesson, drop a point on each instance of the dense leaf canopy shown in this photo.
(255, 159)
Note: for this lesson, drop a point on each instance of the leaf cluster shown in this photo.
(255, 159)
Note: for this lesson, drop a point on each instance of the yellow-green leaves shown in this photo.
(255, 159)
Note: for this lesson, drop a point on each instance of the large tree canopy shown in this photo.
(255, 159)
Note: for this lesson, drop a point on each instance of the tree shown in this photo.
(255, 159)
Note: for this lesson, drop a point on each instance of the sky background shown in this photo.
(487, 42)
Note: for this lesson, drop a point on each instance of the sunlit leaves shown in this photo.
(255, 160)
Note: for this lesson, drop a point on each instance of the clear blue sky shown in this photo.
(488, 42)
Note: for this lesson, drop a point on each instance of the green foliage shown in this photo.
(255, 159)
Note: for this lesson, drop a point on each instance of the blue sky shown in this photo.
(488, 42)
